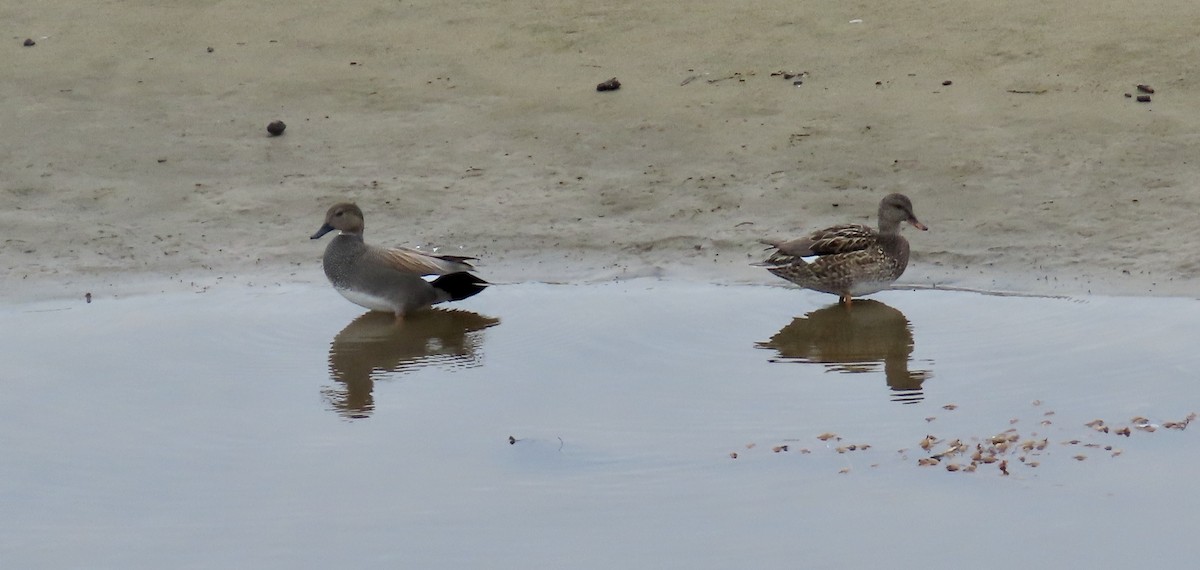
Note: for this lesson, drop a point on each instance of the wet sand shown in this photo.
(137, 159)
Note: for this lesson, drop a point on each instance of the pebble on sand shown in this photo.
(610, 85)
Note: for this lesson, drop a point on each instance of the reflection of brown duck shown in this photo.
(376, 344)
(854, 341)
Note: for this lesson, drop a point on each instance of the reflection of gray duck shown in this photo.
(376, 344)
(854, 341)
(848, 260)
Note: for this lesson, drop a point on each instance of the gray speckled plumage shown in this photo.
(850, 259)
(390, 279)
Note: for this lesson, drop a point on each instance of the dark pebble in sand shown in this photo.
(29, 42)
(1143, 98)
(610, 85)
(210, 50)
(1143, 88)
(947, 82)
(276, 128)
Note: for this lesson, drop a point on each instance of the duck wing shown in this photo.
(844, 238)
(421, 263)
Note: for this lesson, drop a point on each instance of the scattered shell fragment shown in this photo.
(955, 447)
(733, 455)
(950, 407)
(827, 436)
(844, 471)
(1004, 467)
(1080, 457)
(1143, 88)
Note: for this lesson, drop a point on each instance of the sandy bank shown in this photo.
(136, 158)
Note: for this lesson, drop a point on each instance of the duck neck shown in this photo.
(888, 226)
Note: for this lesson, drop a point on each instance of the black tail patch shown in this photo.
(459, 285)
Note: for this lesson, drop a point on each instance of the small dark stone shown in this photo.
(1143, 88)
(610, 85)
(29, 42)
(1143, 98)
(1129, 95)
(947, 82)
(276, 128)
(210, 50)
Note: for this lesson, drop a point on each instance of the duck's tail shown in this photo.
(460, 285)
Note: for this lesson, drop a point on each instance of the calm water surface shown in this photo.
(283, 429)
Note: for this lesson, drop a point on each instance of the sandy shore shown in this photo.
(135, 158)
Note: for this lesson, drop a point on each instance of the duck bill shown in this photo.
(324, 230)
(918, 225)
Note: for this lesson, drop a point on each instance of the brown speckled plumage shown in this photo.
(850, 259)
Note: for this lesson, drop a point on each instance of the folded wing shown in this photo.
(421, 263)
(845, 238)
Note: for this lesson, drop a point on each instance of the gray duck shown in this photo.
(390, 279)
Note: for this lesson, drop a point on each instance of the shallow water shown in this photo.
(281, 429)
